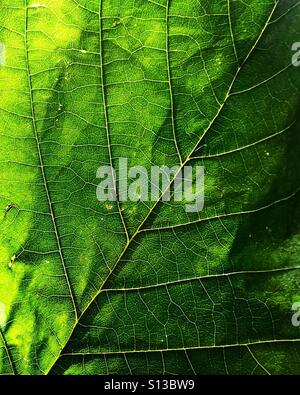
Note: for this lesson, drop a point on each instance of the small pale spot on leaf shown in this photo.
(38, 5)
(11, 262)
(2, 55)
(2, 314)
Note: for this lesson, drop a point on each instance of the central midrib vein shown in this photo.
(189, 157)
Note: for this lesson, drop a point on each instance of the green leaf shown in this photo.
(88, 287)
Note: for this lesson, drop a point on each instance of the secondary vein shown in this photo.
(106, 118)
(42, 166)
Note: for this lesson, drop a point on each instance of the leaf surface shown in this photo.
(89, 287)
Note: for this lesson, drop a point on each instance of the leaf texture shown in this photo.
(88, 287)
